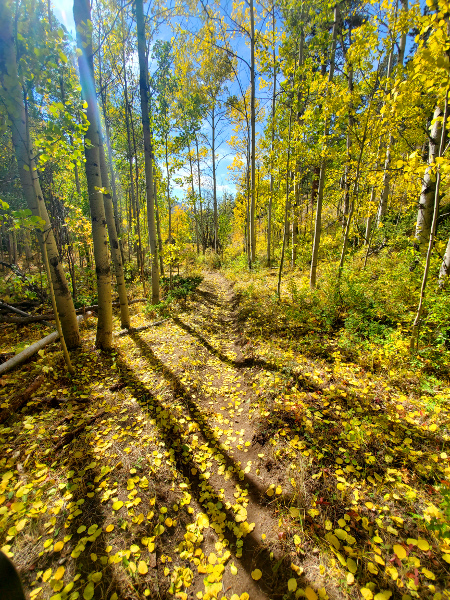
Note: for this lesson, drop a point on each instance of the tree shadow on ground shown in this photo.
(256, 554)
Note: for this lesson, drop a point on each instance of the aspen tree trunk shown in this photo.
(415, 330)
(193, 198)
(15, 107)
(200, 196)
(169, 209)
(137, 208)
(295, 218)
(158, 229)
(252, 231)
(27, 246)
(428, 192)
(143, 79)
(213, 147)
(318, 224)
(103, 92)
(351, 121)
(132, 198)
(272, 144)
(114, 242)
(444, 271)
(382, 208)
(82, 17)
(287, 207)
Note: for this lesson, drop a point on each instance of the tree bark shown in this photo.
(252, 230)
(427, 194)
(318, 224)
(272, 144)
(114, 241)
(158, 229)
(200, 196)
(415, 329)
(14, 104)
(82, 17)
(213, 152)
(143, 88)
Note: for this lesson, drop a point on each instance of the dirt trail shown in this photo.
(209, 371)
(171, 487)
(215, 330)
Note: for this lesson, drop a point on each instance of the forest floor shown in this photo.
(197, 461)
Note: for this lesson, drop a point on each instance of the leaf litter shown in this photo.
(210, 466)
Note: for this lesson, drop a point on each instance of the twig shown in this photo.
(22, 399)
(72, 434)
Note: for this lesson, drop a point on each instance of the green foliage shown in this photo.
(181, 289)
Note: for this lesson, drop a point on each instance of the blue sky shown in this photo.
(63, 11)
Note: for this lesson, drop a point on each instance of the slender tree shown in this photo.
(83, 23)
(143, 87)
(12, 97)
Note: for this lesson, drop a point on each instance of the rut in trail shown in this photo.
(208, 416)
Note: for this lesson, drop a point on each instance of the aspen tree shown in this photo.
(415, 329)
(82, 17)
(253, 136)
(148, 153)
(321, 184)
(12, 97)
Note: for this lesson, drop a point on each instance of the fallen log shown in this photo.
(21, 399)
(8, 307)
(66, 439)
(20, 358)
(24, 320)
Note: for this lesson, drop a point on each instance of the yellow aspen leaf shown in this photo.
(392, 572)
(59, 573)
(109, 528)
(351, 565)
(366, 593)
(372, 568)
(88, 592)
(384, 595)
(399, 551)
(292, 584)
(428, 573)
(142, 567)
(256, 574)
(423, 544)
(233, 569)
(311, 594)
(350, 579)
(202, 521)
(96, 577)
(446, 557)
(58, 546)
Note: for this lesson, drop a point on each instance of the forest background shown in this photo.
(334, 228)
